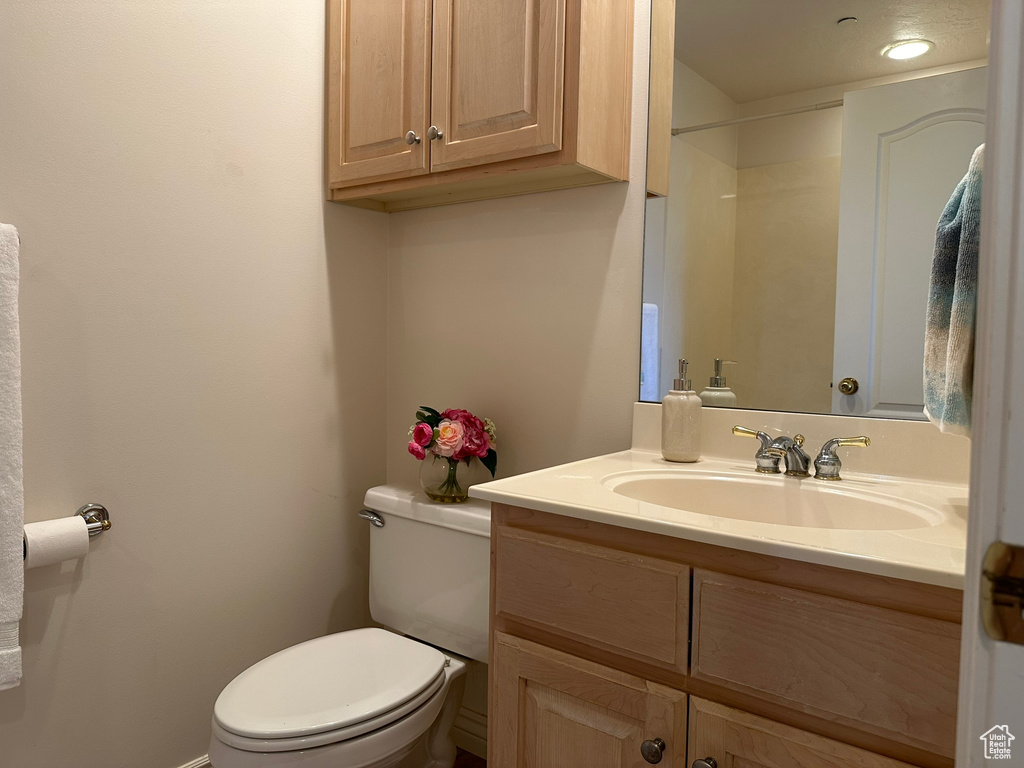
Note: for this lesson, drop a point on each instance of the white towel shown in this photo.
(12, 520)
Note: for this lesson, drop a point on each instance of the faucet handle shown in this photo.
(764, 437)
(828, 464)
(767, 463)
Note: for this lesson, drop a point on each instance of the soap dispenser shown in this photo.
(717, 394)
(680, 420)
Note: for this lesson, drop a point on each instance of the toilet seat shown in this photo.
(328, 690)
(424, 701)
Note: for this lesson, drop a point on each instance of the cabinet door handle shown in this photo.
(707, 762)
(652, 750)
(411, 138)
(433, 133)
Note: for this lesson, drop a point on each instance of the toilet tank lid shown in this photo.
(410, 502)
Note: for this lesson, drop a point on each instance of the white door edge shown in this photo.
(992, 674)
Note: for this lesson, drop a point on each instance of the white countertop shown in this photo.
(932, 554)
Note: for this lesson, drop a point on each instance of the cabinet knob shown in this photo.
(411, 138)
(433, 133)
(652, 750)
(707, 762)
(849, 386)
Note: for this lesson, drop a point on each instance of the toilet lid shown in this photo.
(328, 683)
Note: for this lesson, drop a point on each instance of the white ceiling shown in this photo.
(754, 49)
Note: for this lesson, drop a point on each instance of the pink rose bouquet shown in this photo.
(454, 435)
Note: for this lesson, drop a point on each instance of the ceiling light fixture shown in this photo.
(907, 49)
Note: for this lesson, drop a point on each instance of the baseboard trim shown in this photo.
(470, 732)
(199, 762)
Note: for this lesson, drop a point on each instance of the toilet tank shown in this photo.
(430, 568)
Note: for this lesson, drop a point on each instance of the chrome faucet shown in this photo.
(827, 465)
(792, 450)
(772, 451)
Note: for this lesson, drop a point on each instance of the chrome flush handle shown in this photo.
(375, 520)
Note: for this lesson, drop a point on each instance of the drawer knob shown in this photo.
(434, 134)
(707, 762)
(652, 750)
(411, 138)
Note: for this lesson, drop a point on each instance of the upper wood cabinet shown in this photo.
(435, 103)
(380, 89)
(497, 80)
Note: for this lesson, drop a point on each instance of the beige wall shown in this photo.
(526, 310)
(787, 228)
(203, 351)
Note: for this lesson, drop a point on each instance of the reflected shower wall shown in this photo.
(741, 257)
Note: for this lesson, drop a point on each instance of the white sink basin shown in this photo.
(780, 500)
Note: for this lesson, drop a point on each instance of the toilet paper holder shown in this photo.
(97, 520)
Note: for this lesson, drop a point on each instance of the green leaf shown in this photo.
(430, 410)
(432, 419)
(490, 461)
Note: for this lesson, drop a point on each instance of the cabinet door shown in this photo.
(498, 70)
(378, 89)
(735, 738)
(552, 710)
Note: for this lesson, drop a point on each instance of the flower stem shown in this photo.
(450, 486)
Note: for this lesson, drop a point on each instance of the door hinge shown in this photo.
(1002, 593)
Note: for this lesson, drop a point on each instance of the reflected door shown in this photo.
(905, 148)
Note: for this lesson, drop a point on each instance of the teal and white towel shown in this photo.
(953, 307)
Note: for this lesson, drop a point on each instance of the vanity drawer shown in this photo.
(629, 604)
(878, 670)
(736, 738)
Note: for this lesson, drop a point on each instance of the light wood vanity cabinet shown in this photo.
(602, 638)
(437, 102)
(552, 709)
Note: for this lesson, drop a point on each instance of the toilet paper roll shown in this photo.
(53, 541)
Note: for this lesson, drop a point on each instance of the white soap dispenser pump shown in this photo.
(717, 394)
(680, 420)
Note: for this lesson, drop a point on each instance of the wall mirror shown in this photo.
(799, 160)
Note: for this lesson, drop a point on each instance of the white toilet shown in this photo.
(370, 698)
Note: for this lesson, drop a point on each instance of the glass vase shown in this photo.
(448, 481)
